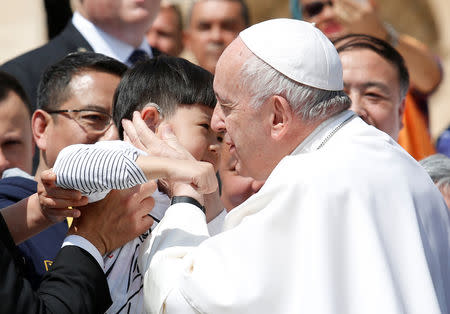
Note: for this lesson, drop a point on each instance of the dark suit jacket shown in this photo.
(75, 283)
(29, 67)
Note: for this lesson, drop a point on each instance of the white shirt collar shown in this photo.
(324, 130)
(102, 42)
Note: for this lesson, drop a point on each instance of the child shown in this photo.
(185, 101)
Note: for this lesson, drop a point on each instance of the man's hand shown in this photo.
(117, 219)
(55, 201)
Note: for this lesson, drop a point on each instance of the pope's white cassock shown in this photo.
(348, 223)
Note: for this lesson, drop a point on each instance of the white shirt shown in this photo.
(356, 226)
(102, 42)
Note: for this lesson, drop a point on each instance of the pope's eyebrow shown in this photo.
(218, 98)
(222, 101)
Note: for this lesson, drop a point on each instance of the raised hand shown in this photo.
(142, 137)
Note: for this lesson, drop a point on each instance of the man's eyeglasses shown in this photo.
(315, 8)
(90, 119)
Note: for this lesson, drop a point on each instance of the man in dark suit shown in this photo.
(114, 28)
(76, 282)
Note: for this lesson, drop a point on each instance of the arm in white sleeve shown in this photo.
(182, 228)
(100, 167)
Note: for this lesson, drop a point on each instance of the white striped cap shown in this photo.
(298, 50)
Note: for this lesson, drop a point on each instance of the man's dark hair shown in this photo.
(166, 81)
(54, 84)
(9, 83)
(380, 47)
(244, 11)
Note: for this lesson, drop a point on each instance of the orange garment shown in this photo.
(415, 137)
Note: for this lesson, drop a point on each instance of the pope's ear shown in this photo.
(151, 117)
(281, 117)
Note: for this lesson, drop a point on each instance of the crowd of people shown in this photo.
(287, 167)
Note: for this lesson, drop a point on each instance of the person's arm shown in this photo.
(181, 230)
(74, 272)
(119, 165)
(27, 217)
(362, 18)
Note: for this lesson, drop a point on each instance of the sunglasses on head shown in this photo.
(315, 8)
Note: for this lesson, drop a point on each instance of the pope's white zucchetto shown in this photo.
(298, 50)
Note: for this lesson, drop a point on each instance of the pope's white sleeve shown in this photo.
(99, 167)
(182, 228)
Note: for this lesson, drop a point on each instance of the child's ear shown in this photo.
(151, 117)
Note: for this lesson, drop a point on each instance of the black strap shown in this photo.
(187, 199)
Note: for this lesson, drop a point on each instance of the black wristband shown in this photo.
(187, 199)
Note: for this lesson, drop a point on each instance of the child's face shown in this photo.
(192, 126)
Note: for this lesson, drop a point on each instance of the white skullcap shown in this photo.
(298, 50)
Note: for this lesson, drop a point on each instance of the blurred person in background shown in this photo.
(438, 167)
(115, 28)
(336, 18)
(212, 26)
(16, 139)
(166, 32)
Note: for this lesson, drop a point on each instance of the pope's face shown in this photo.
(246, 128)
(374, 88)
